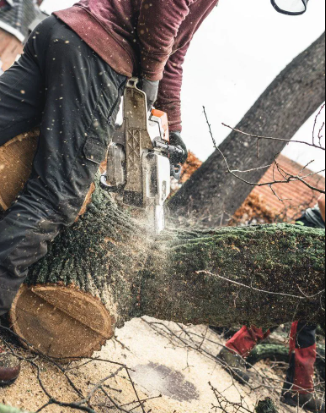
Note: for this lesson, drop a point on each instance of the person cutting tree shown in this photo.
(299, 388)
(69, 81)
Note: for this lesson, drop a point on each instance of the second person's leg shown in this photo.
(238, 348)
(246, 340)
(299, 389)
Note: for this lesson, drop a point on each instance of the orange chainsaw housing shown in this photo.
(164, 121)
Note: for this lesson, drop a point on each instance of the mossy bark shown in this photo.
(181, 276)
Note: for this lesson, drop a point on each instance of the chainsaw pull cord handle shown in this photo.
(171, 150)
(176, 171)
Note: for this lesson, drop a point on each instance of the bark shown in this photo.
(281, 110)
(108, 255)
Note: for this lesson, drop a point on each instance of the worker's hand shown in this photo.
(151, 89)
(322, 206)
(176, 140)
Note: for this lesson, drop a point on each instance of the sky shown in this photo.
(237, 53)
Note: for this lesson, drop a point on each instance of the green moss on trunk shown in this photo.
(191, 282)
(182, 275)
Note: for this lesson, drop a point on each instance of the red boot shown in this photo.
(238, 349)
(246, 340)
(299, 389)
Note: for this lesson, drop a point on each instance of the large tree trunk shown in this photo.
(181, 276)
(281, 110)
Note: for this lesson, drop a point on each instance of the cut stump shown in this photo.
(61, 322)
(16, 159)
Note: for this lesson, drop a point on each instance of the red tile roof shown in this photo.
(263, 205)
(294, 196)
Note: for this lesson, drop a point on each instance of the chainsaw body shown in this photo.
(138, 158)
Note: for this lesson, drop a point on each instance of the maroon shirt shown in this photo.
(3, 3)
(149, 38)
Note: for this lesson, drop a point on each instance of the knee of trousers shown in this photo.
(7, 295)
(23, 242)
(50, 206)
(67, 210)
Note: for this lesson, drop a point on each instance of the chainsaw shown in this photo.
(139, 166)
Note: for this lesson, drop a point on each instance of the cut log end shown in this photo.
(16, 158)
(61, 322)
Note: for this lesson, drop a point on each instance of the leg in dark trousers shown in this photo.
(62, 85)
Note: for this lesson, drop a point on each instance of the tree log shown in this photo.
(282, 109)
(107, 269)
(16, 159)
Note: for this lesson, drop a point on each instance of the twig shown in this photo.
(259, 290)
(250, 135)
(287, 178)
(135, 390)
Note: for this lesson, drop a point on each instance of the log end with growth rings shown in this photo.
(16, 159)
(61, 322)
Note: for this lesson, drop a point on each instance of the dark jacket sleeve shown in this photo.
(169, 99)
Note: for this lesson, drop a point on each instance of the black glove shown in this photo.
(176, 140)
(151, 89)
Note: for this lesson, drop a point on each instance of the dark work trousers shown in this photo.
(64, 87)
